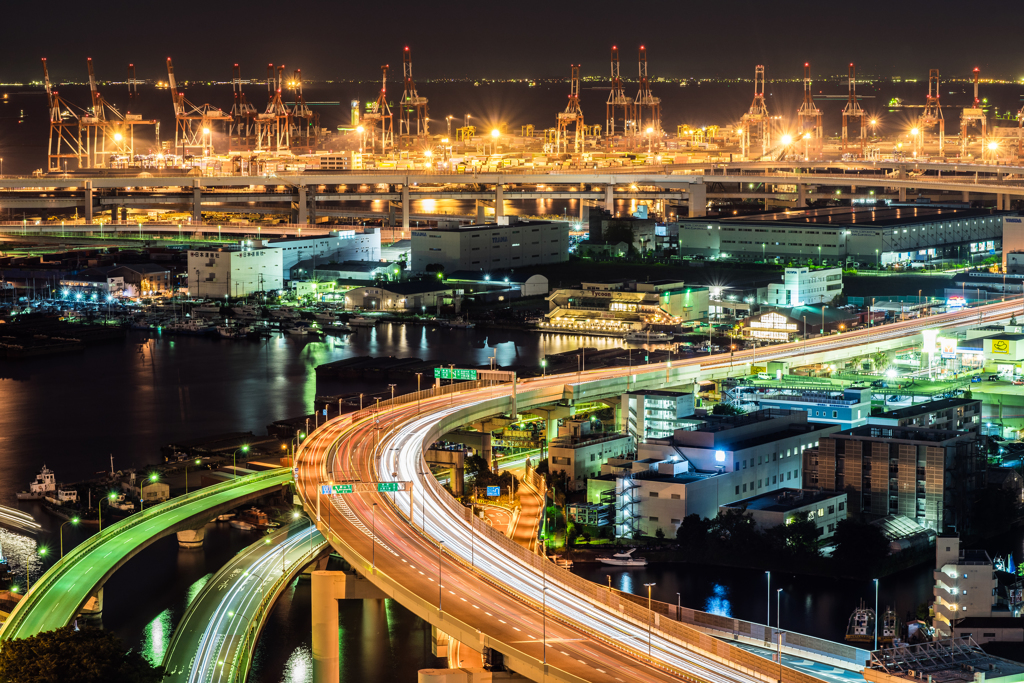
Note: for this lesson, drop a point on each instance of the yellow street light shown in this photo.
(428, 153)
(495, 133)
(118, 137)
(359, 129)
(206, 131)
(787, 139)
(993, 146)
(913, 131)
(650, 130)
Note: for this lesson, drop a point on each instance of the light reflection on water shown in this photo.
(23, 551)
(194, 589)
(718, 602)
(299, 667)
(156, 636)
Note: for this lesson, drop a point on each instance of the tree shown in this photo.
(693, 532)
(801, 535)
(727, 409)
(859, 544)
(619, 232)
(66, 655)
(659, 534)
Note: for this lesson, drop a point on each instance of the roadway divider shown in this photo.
(83, 549)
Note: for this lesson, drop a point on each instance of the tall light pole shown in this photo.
(544, 618)
(440, 546)
(778, 626)
(142, 498)
(197, 461)
(543, 367)
(373, 537)
(650, 617)
(768, 619)
(73, 520)
(99, 507)
(876, 613)
(419, 378)
(234, 466)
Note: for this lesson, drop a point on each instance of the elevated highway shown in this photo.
(426, 550)
(61, 593)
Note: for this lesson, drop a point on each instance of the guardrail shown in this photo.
(65, 564)
(243, 652)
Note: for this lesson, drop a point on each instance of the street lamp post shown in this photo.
(650, 617)
(543, 367)
(419, 378)
(392, 392)
(197, 461)
(142, 498)
(768, 619)
(73, 520)
(876, 613)
(99, 507)
(778, 626)
(234, 466)
(440, 546)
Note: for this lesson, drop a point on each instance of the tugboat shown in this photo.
(625, 559)
(256, 519)
(890, 627)
(861, 628)
(44, 485)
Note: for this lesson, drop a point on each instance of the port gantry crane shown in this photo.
(809, 117)
(853, 111)
(973, 116)
(618, 103)
(756, 124)
(272, 125)
(65, 141)
(931, 116)
(108, 136)
(572, 116)
(242, 129)
(304, 125)
(377, 122)
(193, 125)
(645, 100)
(411, 107)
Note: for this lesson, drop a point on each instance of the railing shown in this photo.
(243, 651)
(62, 566)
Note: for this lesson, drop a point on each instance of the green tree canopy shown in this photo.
(65, 655)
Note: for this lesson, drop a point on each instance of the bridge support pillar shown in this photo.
(698, 199)
(499, 202)
(192, 539)
(93, 608)
(481, 211)
(124, 213)
(405, 206)
(801, 196)
(967, 195)
(301, 214)
(584, 213)
(999, 202)
(391, 214)
(609, 199)
(88, 201)
(327, 588)
(903, 194)
(197, 202)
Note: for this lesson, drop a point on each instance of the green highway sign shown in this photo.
(456, 373)
(342, 488)
(365, 487)
(389, 486)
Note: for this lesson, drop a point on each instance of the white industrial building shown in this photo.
(580, 454)
(802, 286)
(236, 272)
(337, 246)
(491, 246)
(655, 414)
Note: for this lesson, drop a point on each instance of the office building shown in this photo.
(724, 459)
(491, 246)
(655, 414)
(337, 246)
(928, 475)
(954, 414)
(621, 307)
(801, 286)
(879, 235)
(579, 453)
(778, 508)
(234, 272)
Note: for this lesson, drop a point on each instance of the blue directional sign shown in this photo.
(325, 489)
(493, 490)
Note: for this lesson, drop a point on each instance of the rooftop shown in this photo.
(929, 407)
(942, 661)
(863, 216)
(887, 433)
(784, 500)
(495, 226)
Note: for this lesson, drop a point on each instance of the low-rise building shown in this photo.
(801, 286)
(847, 408)
(777, 508)
(655, 414)
(490, 246)
(234, 272)
(965, 585)
(398, 296)
(928, 475)
(956, 414)
(361, 244)
(346, 270)
(620, 307)
(579, 454)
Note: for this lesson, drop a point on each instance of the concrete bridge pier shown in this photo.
(903, 194)
(93, 609)
(124, 213)
(481, 211)
(197, 202)
(584, 212)
(192, 539)
(88, 201)
(499, 202)
(609, 199)
(966, 195)
(551, 416)
(698, 199)
(300, 213)
(801, 196)
(327, 588)
(405, 206)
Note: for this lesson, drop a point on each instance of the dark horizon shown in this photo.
(526, 40)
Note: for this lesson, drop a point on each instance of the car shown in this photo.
(765, 375)
(1018, 382)
(976, 378)
(993, 378)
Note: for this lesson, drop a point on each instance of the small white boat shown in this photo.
(304, 330)
(326, 316)
(625, 559)
(45, 484)
(458, 324)
(362, 321)
(339, 328)
(285, 314)
(239, 524)
(648, 337)
(226, 517)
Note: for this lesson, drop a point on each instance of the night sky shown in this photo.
(350, 40)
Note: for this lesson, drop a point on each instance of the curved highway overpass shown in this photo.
(426, 550)
(59, 594)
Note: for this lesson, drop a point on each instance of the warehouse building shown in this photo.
(491, 246)
(336, 246)
(235, 272)
(879, 234)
